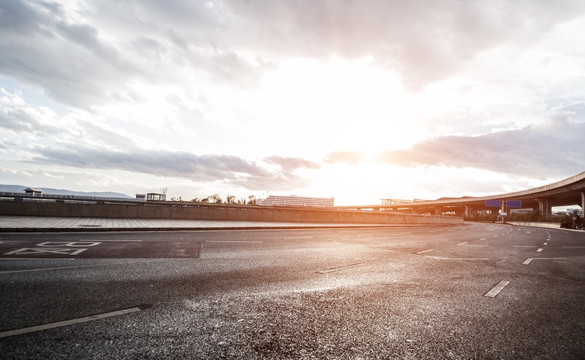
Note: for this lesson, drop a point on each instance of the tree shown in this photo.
(230, 199)
(251, 200)
(214, 199)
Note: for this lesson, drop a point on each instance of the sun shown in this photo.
(334, 104)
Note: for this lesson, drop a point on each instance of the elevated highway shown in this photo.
(570, 191)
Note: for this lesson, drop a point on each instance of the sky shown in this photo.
(357, 100)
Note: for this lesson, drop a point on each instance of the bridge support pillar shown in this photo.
(468, 211)
(544, 208)
(583, 204)
(438, 210)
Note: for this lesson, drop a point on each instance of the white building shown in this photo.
(280, 200)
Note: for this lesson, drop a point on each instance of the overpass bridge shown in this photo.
(570, 191)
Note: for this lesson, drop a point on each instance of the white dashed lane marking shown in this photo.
(341, 268)
(497, 289)
(529, 260)
(233, 242)
(425, 251)
(68, 322)
(457, 259)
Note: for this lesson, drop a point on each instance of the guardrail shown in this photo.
(66, 197)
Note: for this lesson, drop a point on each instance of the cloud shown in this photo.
(89, 55)
(69, 61)
(87, 62)
(425, 40)
(538, 151)
(547, 150)
(43, 125)
(17, 17)
(289, 164)
(200, 168)
(16, 116)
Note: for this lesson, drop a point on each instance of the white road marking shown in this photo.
(297, 237)
(113, 240)
(545, 244)
(457, 259)
(529, 260)
(425, 251)
(48, 269)
(234, 241)
(40, 259)
(34, 251)
(340, 268)
(539, 250)
(67, 322)
(525, 246)
(482, 239)
(497, 289)
(463, 243)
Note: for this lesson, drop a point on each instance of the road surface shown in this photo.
(475, 291)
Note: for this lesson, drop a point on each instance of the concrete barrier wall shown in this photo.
(214, 212)
(553, 225)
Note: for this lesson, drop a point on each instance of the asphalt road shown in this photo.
(476, 291)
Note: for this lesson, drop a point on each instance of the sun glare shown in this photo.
(337, 104)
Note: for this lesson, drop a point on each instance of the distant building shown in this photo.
(521, 211)
(141, 197)
(280, 200)
(396, 201)
(156, 197)
(33, 192)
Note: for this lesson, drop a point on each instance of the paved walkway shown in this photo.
(39, 223)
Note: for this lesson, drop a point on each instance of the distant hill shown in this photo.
(20, 188)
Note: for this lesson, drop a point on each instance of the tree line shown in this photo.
(216, 199)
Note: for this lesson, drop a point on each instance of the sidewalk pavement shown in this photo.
(70, 224)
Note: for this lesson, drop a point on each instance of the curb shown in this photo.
(134, 229)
